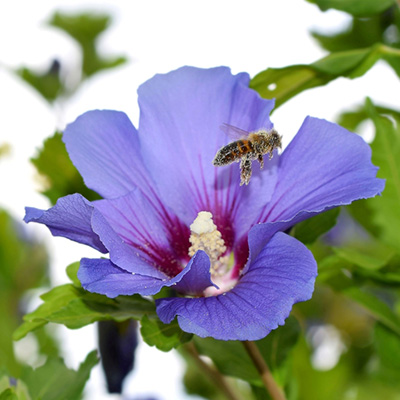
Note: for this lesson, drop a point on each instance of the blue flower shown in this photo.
(170, 218)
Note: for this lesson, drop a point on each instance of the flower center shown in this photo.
(205, 236)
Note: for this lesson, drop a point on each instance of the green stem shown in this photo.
(212, 373)
(269, 382)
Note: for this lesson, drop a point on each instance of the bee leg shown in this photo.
(245, 171)
(261, 160)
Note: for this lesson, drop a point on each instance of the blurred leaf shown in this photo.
(8, 394)
(5, 149)
(364, 32)
(54, 381)
(370, 254)
(376, 307)
(85, 29)
(385, 154)
(48, 84)
(197, 383)
(311, 229)
(355, 7)
(23, 266)
(284, 83)
(62, 177)
(352, 119)
(232, 359)
(15, 390)
(163, 336)
(74, 307)
(229, 357)
(388, 346)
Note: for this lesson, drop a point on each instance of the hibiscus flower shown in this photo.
(169, 217)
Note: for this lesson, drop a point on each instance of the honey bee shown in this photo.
(251, 146)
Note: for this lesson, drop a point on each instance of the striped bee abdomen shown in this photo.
(233, 152)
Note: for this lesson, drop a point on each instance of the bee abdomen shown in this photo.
(232, 152)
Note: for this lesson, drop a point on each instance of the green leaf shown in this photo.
(48, 84)
(74, 307)
(284, 83)
(8, 394)
(370, 254)
(376, 307)
(355, 7)
(15, 392)
(232, 359)
(54, 164)
(364, 32)
(54, 381)
(385, 154)
(163, 336)
(85, 29)
(387, 345)
(311, 229)
(72, 273)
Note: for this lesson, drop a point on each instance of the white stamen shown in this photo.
(205, 236)
(203, 223)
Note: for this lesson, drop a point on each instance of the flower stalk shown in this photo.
(212, 373)
(269, 382)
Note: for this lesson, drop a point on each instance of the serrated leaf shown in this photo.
(284, 83)
(311, 229)
(74, 307)
(62, 177)
(355, 7)
(385, 154)
(54, 381)
(48, 84)
(85, 29)
(163, 336)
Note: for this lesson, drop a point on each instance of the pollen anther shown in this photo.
(205, 236)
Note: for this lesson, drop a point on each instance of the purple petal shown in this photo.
(323, 167)
(104, 147)
(122, 254)
(282, 274)
(70, 218)
(197, 277)
(181, 115)
(104, 277)
(147, 230)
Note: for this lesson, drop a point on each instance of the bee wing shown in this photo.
(234, 132)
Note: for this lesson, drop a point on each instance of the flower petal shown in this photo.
(323, 167)
(70, 218)
(104, 147)
(282, 274)
(149, 229)
(181, 115)
(122, 254)
(197, 277)
(104, 277)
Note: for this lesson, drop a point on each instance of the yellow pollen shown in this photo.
(205, 236)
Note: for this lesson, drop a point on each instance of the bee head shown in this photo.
(275, 139)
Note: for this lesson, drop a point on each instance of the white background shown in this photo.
(156, 36)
